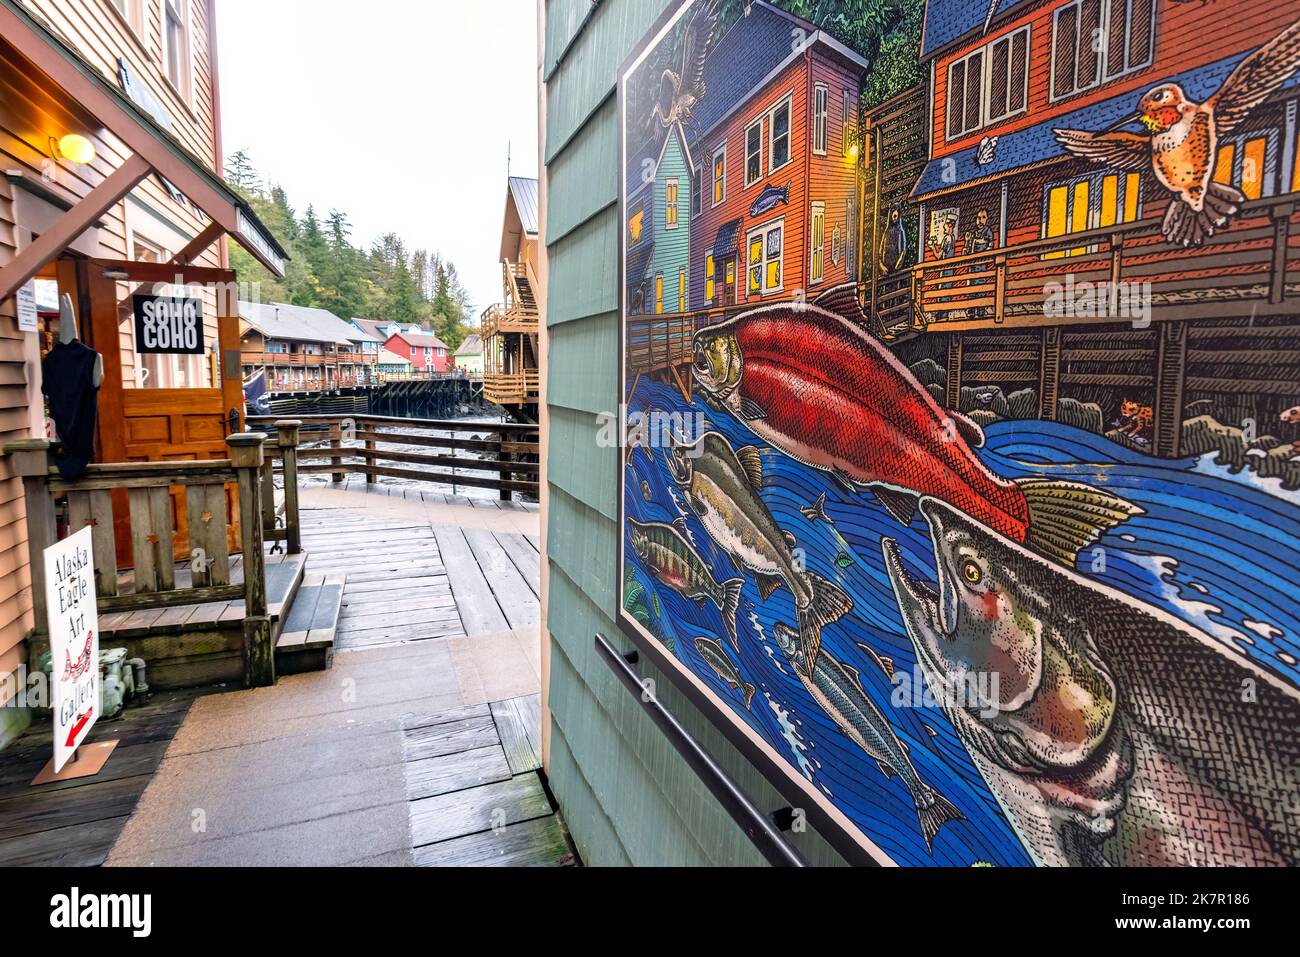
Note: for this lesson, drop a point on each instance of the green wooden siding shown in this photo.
(626, 795)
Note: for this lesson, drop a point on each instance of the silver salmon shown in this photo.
(716, 657)
(666, 554)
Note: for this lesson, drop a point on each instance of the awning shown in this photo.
(727, 241)
(1036, 145)
(154, 151)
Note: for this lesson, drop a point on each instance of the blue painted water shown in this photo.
(1220, 551)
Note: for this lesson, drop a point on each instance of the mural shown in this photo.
(963, 467)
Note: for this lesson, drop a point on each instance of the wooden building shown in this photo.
(510, 329)
(1185, 332)
(426, 351)
(469, 356)
(302, 349)
(111, 151)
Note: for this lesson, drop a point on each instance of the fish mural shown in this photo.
(991, 582)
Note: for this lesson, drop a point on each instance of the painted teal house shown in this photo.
(627, 796)
(659, 226)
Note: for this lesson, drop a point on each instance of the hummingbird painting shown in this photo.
(1181, 144)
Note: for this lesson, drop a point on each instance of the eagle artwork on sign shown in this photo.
(961, 488)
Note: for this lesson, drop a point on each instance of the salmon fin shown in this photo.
(829, 604)
(930, 731)
(748, 692)
(901, 506)
(751, 460)
(935, 815)
(845, 481)
(968, 429)
(750, 410)
(884, 664)
(885, 769)
(679, 523)
(790, 539)
(731, 608)
(767, 584)
(1067, 517)
(817, 511)
(855, 673)
(736, 563)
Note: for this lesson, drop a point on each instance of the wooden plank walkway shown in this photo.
(74, 823)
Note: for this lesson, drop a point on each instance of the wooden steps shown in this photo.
(306, 640)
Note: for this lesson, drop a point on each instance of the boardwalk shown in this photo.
(420, 745)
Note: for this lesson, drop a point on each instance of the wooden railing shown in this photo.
(509, 388)
(341, 445)
(210, 525)
(1235, 272)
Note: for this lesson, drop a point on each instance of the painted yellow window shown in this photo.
(1223, 167)
(773, 260)
(756, 265)
(659, 295)
(1079, 215)
(708, 278)
(731, 272)
(818, 242)
(1132, 190)
(670, 193)
(635, 225)
(1252, 168)
(719, 178)
(1058, 206)
(681, 291)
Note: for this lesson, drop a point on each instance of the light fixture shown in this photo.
(75, 148)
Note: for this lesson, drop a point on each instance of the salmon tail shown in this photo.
(748, 691)
(829, 604)
(935, 814)
(1067, 517)
(731, 608)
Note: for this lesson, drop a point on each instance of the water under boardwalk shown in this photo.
(421, 743)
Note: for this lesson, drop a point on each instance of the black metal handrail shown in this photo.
(757, 826)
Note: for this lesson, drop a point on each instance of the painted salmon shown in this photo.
(666, 554)
(837, 688)
(721, 486)
(829, 395)
(715, 656)
(1114, 733)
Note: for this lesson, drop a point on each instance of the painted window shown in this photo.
(670, 199)
(720, 176)
(754, 153)
(696, 180)
(710, 271)
(821, 107)
(1097, 40)
(1090, 202)
(766, 265)
(659, 295)
(176, 45)
(681, 290)
(1250, 163)
(818, 232)
(779, 136)
(989, 84)
(848, 123)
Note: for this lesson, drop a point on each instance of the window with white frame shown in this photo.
(754, 153)
(817, 231)
(821, 107)
(766, 265)
(720, 176)
(778, 121)
(132, 12)
(670, 204)
(989, 85)
(176, 45)
(1098, 40)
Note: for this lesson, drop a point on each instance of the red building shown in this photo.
(426, 351)
(776, 147)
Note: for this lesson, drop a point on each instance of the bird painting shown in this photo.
(682, 89)
(1181, 144)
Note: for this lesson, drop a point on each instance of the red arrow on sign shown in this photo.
(76, 728)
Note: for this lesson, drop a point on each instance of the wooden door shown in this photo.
(141, 424)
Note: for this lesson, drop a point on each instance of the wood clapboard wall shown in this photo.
(626, 795)
(28, 117)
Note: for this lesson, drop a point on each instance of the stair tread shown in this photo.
(314, 616)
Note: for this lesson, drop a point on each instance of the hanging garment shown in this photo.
(69, 384)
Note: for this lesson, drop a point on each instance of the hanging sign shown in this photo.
(168, 325)
(74, 641)
(26, 297)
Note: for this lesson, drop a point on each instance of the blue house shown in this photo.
(659, 229)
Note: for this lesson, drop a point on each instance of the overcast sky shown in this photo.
(397, 112)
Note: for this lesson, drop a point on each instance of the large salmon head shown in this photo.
(997, 635)
(640, 540)
(718, 360)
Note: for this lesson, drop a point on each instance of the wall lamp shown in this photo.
(74, 148)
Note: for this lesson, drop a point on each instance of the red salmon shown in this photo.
(827, 394)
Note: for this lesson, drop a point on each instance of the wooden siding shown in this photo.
(1182, 33)
(29, 116)
(626, 795)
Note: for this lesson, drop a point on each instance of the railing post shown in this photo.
(505, 473)
(1281, 236)
(31, 460)
(246, 455)
(336, 442)
(372, 463)
(1000, 289)
(286, 436)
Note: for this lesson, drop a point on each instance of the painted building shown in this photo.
(659, 230)
(426, 351)
(301, 348)
(469, 355)
(391, 364)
